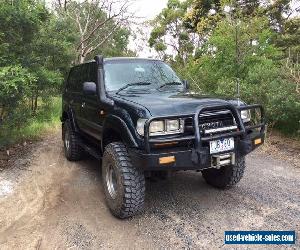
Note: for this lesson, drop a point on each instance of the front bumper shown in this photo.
(199, 157)
(188, 159)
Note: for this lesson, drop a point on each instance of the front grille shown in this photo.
(210, 121)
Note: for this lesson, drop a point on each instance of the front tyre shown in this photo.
(226, 176)
(124, 185)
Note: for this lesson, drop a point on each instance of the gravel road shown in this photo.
(47, 202)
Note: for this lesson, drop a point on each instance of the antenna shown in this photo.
(238, 91)
(237, 55)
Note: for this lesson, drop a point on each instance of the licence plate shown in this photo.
(221, 145)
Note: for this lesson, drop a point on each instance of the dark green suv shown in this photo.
(140, 119)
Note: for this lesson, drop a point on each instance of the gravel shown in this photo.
(58, 204)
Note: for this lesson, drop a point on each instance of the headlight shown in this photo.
(157, 127)
(172, 125)
(161, 127)
(246, 115)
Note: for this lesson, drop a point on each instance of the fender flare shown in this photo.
(70, 116)
(117, 124)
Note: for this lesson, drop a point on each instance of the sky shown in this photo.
(147, 10)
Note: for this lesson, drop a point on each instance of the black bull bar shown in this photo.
(200, 153)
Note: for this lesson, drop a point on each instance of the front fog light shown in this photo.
(172, 125)
(156, 126)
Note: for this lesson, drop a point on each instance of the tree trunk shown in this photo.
(81, 58)
(32, 102)
(35, 102)
(2, 110)
(81, 54)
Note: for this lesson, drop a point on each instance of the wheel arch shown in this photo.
(115, 129)
(69, 115)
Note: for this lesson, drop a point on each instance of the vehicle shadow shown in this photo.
(181, 191)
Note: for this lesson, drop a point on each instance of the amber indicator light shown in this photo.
(167, 160)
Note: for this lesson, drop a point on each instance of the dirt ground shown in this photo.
(47, 202)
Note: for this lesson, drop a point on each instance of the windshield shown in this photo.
(149, 74)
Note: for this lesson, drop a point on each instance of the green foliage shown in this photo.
(225, 60)
(19, 22)
(170, 24)
(46, 119)
(239, 41)
(15, 83)
(37, 47)
(288, 40)
(203, 15)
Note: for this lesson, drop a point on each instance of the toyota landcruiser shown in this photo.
(139, 118)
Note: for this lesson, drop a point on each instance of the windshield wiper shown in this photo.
(170, 84)
(133, 84)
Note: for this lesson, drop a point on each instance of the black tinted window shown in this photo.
(71, 80)
(80, 74)
(93, 72)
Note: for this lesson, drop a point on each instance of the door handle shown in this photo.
(83, 105)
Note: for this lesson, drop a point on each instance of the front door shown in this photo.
(90, 107)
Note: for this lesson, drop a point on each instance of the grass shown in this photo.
(45, 121)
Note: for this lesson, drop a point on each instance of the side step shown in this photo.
(91, 150)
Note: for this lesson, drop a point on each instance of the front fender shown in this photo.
(115, 123)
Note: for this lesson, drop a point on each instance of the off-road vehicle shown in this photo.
(139, 118)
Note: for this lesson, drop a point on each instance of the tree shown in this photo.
(16, 84)
(30, 41)
(95, 24)
(203, 16)
(169, 32)
(19, 22)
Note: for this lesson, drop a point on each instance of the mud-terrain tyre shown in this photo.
(124, 185)
(225, 177)
(72, 148)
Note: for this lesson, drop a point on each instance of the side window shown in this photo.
(88, 75)
(84, 73)
(78, 79)
(70, 81)
(80, 74)
(93, 72)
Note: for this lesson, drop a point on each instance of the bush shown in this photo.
(15, 87)
(46, 118)
(218, 68)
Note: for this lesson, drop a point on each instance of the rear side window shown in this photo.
(93, 72)
(79, 78)
(71, 80)
(75, 79)
(80, 74)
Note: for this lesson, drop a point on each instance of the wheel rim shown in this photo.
(111, 182)
(67, 140)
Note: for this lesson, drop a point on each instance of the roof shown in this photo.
(128, 58)
(116, 59)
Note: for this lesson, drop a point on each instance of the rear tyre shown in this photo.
(72, 148)
(225, 177)
(124, 185)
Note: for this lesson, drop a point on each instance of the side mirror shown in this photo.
(186, 84)
(89, 88)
